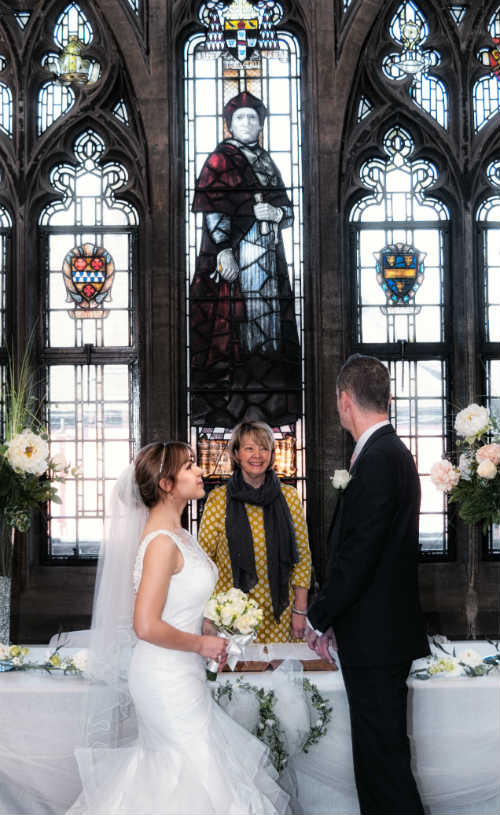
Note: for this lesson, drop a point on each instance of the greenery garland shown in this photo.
(268, 728)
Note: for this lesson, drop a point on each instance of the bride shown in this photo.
(159, 743)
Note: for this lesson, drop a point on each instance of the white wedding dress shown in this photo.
(190, 758)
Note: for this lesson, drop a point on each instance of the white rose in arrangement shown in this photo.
(472, 420)
(211, 610)
(245, 624)
(58, 462)
(486, 469)
(444, 475)
(81, 659)
(235, 595)
(28, 452)
(227, 615)
(340, 479)
(470, 657)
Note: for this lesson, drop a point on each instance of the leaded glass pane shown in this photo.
(54, 100)
(458, 13)
(365, 107)
(6, 109)
(90, 422)
(209, 84)
(409, 28)
(418, 413)
(121, 112)
(89, 215)
(135, 5)
(22, 18)
(486, 91)
(72, 22)
(489, 219)
(402, 215)
(493, 402)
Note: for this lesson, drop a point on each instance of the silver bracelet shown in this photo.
(297, 611)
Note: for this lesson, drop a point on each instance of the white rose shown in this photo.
(81, 659)
(340, 479)
(486, 469)
(226, 615)
(28, 452)
(58, 462)
(472, 420)
(470, 657)
(444, 476)
(236, 595)
(245, 625)
(211, 609)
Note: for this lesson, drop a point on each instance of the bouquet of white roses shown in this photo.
(474, 483)
(236, 618)
(27, 471)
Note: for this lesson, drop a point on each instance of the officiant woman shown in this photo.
(254, 529)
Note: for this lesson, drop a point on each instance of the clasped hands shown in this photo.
(321, 642)
(227, 267)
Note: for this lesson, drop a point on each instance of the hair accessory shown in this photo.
(164, 453)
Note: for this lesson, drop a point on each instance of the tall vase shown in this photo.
(6, 551)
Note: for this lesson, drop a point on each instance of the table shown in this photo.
(453, 725)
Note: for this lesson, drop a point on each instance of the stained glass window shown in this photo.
(365, 107)
(489, 221)
(54, 98)
(418, 413)
(135, 5)
(209, 84)
(91, 404)
(399, 211)
(486, 91)
(22, 18)
(458, 12)
(121, 112)
(409, 29)
(398, 236)
(92, 423)
(5, 228)
(5, 103)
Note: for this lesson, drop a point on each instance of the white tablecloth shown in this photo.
(453, 725)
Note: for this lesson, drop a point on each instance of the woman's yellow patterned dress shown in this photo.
(212, 536)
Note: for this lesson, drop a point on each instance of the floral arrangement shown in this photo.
(236, 617)
(467, 662)
(340, 479)
(14, 658)
(27, 472)
(268, 728)
(234, 612)
(474, 483)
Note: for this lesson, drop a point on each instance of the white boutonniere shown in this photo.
(340, 479)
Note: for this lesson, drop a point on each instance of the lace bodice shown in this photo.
(190, 588)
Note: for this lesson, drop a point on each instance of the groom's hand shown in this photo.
(323, 645)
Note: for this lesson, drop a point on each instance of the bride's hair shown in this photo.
(156, 461)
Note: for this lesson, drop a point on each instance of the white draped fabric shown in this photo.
(453, 725)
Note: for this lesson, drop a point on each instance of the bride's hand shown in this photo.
(213, 647)
(208, 627)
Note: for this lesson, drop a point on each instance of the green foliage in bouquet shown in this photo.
(474, 483)
(27, 473)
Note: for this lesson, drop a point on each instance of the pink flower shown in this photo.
(444, 476)
(489, 452)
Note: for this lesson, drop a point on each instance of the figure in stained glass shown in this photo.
(245, 353)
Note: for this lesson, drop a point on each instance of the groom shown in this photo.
(370, 597)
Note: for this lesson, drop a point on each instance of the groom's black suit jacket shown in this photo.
(370, 596)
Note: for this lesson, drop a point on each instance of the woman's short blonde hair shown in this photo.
(259, 431)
